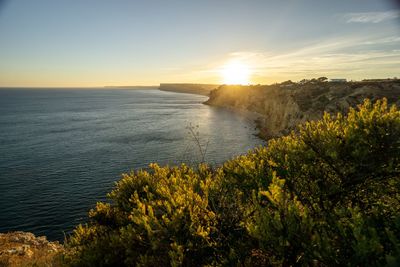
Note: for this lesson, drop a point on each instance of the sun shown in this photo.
(235, 72)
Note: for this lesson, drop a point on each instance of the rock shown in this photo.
(20, 251)
(12, 251)
(24, 249)
(27, 250)
(42, 240)
(53, 247)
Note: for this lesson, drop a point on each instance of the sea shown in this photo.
(62, 150)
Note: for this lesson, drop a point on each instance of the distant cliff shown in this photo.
(278, 108)
(189, 88)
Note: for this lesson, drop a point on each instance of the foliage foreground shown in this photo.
(327, 195)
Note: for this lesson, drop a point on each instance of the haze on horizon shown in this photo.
(102, 43)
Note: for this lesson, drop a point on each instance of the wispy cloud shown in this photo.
(387, 40)
(371, 17)
(350, 57)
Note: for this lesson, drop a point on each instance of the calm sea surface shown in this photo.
(62, 150)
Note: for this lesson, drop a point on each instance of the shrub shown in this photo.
(334, 199)
(328, 195)
(159, 217)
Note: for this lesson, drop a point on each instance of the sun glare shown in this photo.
(236, 73)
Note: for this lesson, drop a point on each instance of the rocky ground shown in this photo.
(25, 249)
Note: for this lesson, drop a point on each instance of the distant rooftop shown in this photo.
(341, 80)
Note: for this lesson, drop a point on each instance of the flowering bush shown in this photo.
(326, 195)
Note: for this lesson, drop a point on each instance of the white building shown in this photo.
(338, 80)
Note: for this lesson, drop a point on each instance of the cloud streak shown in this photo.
(371, 17)
(351, 57)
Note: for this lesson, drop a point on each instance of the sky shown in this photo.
(88, 43)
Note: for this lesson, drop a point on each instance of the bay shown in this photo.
(61, 150)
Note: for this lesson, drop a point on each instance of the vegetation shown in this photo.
(327, 195)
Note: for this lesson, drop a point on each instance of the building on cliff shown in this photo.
(338, 80)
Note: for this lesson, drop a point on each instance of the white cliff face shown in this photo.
(278, 110)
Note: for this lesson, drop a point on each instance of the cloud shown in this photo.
(387, 40)
(354, 56)
(371, 17)
(347, 56)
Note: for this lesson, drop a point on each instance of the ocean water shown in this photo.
(61, 150)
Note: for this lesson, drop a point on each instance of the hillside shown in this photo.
(278, 108)
(189, 88)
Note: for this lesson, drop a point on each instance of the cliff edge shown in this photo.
(25, 249)
(279, 108)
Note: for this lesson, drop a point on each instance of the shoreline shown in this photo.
(188, 88)
(182, 92)
(251, 117)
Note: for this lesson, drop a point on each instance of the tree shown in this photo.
(322, 79)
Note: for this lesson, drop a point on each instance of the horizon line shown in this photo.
(192, 83)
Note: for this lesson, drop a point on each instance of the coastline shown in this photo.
(252, 117)
(188, 88)
(278, 109)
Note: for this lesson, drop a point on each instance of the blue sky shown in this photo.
(96, 43)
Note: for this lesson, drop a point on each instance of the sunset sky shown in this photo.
(97, 43)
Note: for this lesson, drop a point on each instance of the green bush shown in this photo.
(160, 217)
(327, 195)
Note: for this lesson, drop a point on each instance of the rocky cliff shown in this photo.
(25, 249)
(278, 108)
